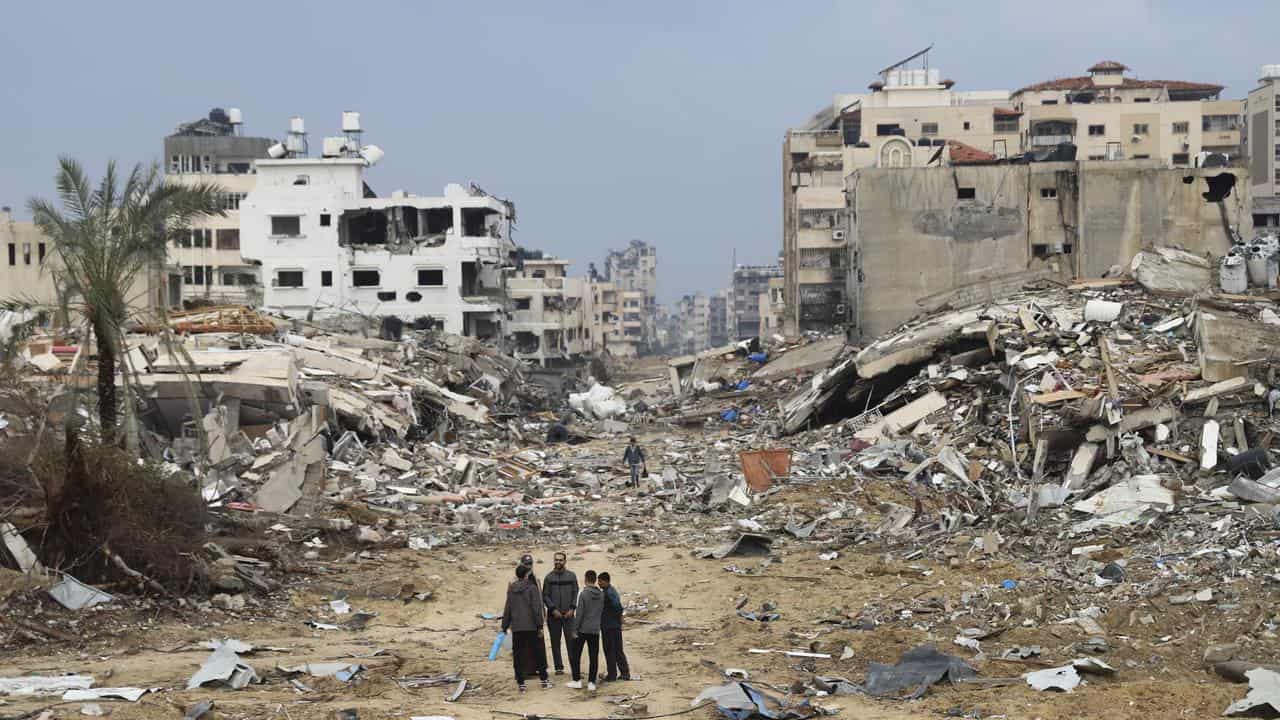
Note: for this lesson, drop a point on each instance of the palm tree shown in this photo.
(103, 240)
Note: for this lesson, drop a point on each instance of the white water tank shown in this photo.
(296, 125)
(276, 151)
(1270, 72)
(935, 76)
(893, 78)
(919, 77)
(235, 116)
(371, 154)
(350, 121)
(333, 146)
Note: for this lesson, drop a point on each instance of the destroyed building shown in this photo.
(746, 285)
(327, 244)
(921, 239)
(551, 313)
(214, 149)
(633, 274)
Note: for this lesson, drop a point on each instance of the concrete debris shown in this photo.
(1169, 270)
(44, 685)
(1064, 679)
(75, 595)
(224, 667)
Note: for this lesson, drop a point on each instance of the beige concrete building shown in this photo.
(213, 150)
(24, 273)
(924, 238)
(551, 315)
(633, 271)
(1110, 115)
(772, 307)
(693, 324)
(1263, 115)
(908, 118)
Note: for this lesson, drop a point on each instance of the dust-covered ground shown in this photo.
(682, 631)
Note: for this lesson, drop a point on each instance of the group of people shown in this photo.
(584, 618)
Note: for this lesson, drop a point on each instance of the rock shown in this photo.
(368, 536)
(223, 601)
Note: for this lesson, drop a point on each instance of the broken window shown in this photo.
(413, 296)
(1181, 159)
(239, 168)
(326, 278)
(480, 222)
(325, 219)
(1048, 193)
(1182, 128)
(430, 277)
(229, 239)
(1141, 129)
(387, 295)
(287, 279)
(1097, 130)
(439, 220)
(884, 129)
(286, 226)
(302, 180)
(1003, 125)
(1219, 123)
(365, 278)
(930, 128)
(522, 303)
(966, 193)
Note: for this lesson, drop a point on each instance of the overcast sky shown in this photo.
(603, 121)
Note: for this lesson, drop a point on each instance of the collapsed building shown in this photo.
(327, 244)
(551, 316)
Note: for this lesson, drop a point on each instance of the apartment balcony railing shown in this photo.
(1050, 140)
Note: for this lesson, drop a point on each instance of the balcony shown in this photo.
(1050, 140)
(807, 141)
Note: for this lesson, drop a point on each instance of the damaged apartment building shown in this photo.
(327, 244)
(551, 313)
(913, 117)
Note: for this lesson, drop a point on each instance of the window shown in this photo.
(413, 296)
(365, 278)
(1114, 151)
(1278, 127)
(1006, 125)
(1142, 99)
(1142, 156)
(197, 274)
(966, 193)
(522, 303)
(229, 239)
(888, 129)
(231, 200)
(26, 253)
(1097, 130)
(1097, 157)
(1181, 128)
(286, 226)
(929, 128)
(239, 168)
(1049, 102)
(1141, 129)
(1048, 193)
(1219, 123)
(288, 279)
(966, 125)
(430, 277)
(13, 254)
(324, 219)
(1181, 159)
(40, 253)
(326, 278)
(387, 295)
(198, 238)
(302, 180)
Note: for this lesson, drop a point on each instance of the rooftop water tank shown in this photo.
(234, 116)
(1270, 72)
(371, 154)
(350, 121)
(296, 125)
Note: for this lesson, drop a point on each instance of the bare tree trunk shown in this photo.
(108, 408)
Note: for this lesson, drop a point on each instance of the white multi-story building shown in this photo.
(214, 150)
(1263, 118)
(326, 245)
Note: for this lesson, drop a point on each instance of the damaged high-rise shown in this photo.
(327, 244)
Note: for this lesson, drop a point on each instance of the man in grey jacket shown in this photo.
(522, 615)
(560, 595)
(586, 622)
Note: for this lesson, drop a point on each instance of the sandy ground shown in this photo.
(446, 634)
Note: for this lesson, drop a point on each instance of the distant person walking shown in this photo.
(560, 595)
(615, 659)
(522, 615)
(634, 456)
(586, 632)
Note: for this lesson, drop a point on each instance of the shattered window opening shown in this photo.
(439, 220)
(286, 226)
(966, 193)
(413, 296)
(387, 295)
(430, 277)
(523, 303)
(366, 278)
(287, 279)
(480, 222)
(302, 180)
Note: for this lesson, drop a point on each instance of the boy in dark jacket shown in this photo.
(634, 456)
(560, 595)
(522, 615)
(615, 659)
(586, 629)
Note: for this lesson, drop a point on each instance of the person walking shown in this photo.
(586, 632)
(522, 615)
(634, 456)
(615, 658)
(560, 595)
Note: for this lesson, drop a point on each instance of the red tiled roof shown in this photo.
(962, 154)
(1002, 111)
(1086, 83)
(1106, 65)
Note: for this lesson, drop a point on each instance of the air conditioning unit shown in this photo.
(837, 235)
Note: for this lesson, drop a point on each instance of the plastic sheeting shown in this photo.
(600, 403)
